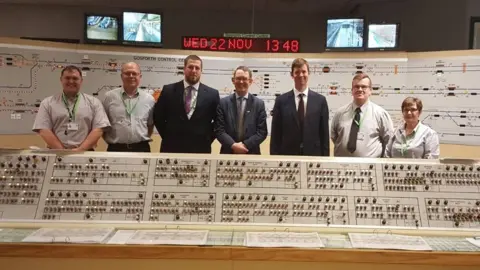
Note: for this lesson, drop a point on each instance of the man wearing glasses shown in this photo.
(361, 128)
(241, 124)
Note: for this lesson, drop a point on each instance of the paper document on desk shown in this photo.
(475, 241)
(69, 235)
(283, 239)
(388, 241)
(121, 237)
(169, 237)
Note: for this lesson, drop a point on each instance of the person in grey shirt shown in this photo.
(413, 139)
(71, 120)
(130, 112)
(361, 128)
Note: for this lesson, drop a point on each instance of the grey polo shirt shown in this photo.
(375, 130)
(53, 115)
(127, 128)
(423, 142)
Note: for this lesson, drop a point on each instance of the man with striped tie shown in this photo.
(185, 112)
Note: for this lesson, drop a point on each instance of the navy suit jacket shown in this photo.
(180, 134)
(286, 134)
(255, 124)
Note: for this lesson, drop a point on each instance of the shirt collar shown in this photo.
(245, 97)
(296, 92)
(195, 86)
(137, 93)
(362, 108)
(415, 130)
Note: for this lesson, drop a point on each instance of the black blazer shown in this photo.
(255, 124)
(285, 135)
(180, 134)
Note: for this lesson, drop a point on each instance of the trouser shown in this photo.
(143, 146)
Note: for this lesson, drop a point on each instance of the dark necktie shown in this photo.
(352, 139)
(240, 115)
(188, 99)
(301, 112)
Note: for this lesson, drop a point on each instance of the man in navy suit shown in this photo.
(300, 118)
(184, 114)
(241, 124)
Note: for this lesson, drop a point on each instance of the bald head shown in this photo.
(131, 76)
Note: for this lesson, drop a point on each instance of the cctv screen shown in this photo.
(102, 28)
(345, 33)
(142, 27)
(382, 35)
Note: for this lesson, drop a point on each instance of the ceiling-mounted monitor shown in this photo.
(143, 29)
(345, 34)
(383, 36)
(101, 28)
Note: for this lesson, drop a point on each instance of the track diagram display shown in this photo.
(446, 86)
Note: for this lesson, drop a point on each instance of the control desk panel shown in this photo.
(146, 187)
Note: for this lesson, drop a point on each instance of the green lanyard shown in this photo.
(71, 113)
(359, 123)
(407, 142)
(128, 107)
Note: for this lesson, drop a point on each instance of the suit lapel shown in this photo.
(179, 91)
(293, 107)
(200, 99)
(311, 107)
(233, 112)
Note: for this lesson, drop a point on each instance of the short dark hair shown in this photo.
(71, 68)
(361, 76)
(298, 63)
(243, 68)
(194, 58)
(412, 101)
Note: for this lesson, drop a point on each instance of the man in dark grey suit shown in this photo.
(185, 112)
(241, 118)
(300, 118)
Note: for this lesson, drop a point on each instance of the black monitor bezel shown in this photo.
(397, 38)
(142, 43)
(102, 41)
(345, 49)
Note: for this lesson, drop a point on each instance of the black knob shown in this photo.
(384, 222)
(374, 200)
(319, 199)
(429, 202)
(273, 198)
(59, 159)
(359, 200)
(234, 197)
(343, 200)
(371, 167)
(140, 195)
(156, 195)
(172, 196)
(211, 197)
(90, 160)
(265, 198)
(312, 199)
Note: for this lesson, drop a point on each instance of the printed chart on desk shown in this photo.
(446, 86)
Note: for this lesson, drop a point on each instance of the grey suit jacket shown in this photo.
(255, 124)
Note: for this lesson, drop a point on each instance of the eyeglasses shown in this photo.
(240, 79)
(412, 110)
(363, 87)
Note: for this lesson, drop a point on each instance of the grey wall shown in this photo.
(426, 25)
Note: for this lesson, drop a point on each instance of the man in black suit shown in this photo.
(300, 118)
(185, 112)
(241, 124)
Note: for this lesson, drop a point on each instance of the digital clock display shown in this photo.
(229, 44)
